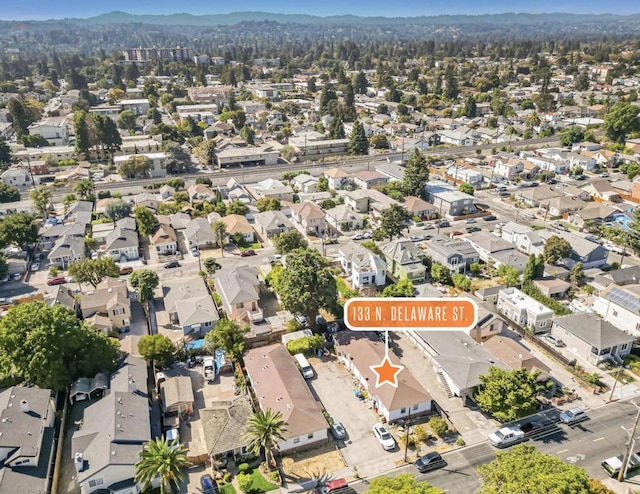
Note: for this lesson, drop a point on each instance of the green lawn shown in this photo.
(258, 483)
(253, 246)
(227, 489)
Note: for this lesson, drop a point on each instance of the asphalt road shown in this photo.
(585, 445)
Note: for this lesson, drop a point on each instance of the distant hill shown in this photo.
(185, 19)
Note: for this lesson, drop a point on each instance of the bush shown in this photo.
(421, 433)
(305, 344)
(438, 426)
(227, 478)
(104, 194)
(243, 467)
(244, 481)
(460, 442)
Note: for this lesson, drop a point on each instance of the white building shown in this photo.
(53, 129)
(524, 310)
(620, 306)
(158, 163)
(363, 267)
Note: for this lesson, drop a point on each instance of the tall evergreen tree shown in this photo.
(81, 133)
(451, 90)
(470, 108)
(358, 143)
(416, 174)
(336, 130)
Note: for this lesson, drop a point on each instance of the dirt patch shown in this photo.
(316, 463)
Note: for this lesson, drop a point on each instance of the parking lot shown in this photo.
(333, 385)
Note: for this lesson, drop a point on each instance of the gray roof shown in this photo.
(190, 300)
(176, 390)
(625, 276)
(223, 424)
(447, 247)
(28, 478)
(87, 385)
(624, 297)
(121, 238)
(511, 258)
(237, 285)
(200, 228)
(403, 251)
(593, 330)
(115, 428)
(488, 242)
(272, 220)
(391, 170)
(68, 246)
(57, 231)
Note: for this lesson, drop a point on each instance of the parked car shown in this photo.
(415, 238)
(208, 484)
(337, 430)
(573, 416)
(428, 227)
(384, 437)
(126, 270)
(471, 220)
(603, 175)
(275, 258)
(367, 235)
(172, 264)
(302, 319)
(16, 277)
(56, 281)
(248, 253)
(549, 338)
(457, 232)
(331, 241)
(4, 279)
(430, 461)
(581, 177)
(35, 266)
(358, 236)
(501, 188)
(490, 217)
(94, 255)
(444, 224)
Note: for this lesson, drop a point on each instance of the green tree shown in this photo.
(525, 469)
(144, 281)
(556, 248)
(157, 349)
(358, 143)
(19, 117)
(393, 221)
(8, 193)
(81, 132)
(248, 135)
(5, 152)
(403, 288)
(206, 152)
(263, 431)
(416, 174)
(211, 265)
(470, 107)
(116, 210)
(621, 120)
(404, 483)
(379, 141)
(372, 246)
(127, 120)
(467, 188)
(47, 345)
(289, 241)
(41, 199)
(220, 234)
(440, 273)
(577, 274)
(307, 284)
(93, 271)
(137, 166)
(336, 129)
(229, 336)
(18, 229)
(164, 459)
(237, 207)
(508, 394)
(461, 281)
(510, 275)
(451, 90)
(145, 219)
(85, 189)
(539, 271)
(268, 204)
(571, 135)
(530, 269)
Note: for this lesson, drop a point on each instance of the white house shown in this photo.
(17, 176)
(620, 306)
(362, 266)
(53, 129)
(158, 163)
(524, 310)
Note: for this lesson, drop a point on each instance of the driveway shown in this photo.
(333, 386)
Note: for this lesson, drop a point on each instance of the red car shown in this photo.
(457, 233)
(126, 270)
(56, 281)
(247, 253)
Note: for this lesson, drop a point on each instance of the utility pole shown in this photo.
(613, 388)
(406, 438)
(627, 454)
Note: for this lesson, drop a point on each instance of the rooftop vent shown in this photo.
(24, 405)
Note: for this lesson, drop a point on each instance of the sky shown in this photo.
(46, 9)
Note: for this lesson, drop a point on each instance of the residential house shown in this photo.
(620, 306)
(358, 200)
(593, 214)
(487, 245)
(515, 355)
(590, 254)
(274, 189)
(305, 183)
(190, 305)
(122, 244)
(465, 174)
(552, 287)
(177, 221)
(456, 255)
(158, 163)
(147, 200)
(72, 174)
(109, 300)
(394, 171)
(27, 439)
(358, 352)
(259, 155)
(53, 129)
(601, 190)
(165, 193)
(524, 310)
(592, 338)
(489, 294)
(508, 168)
(362, 267)
(279, 386)
(67, 249)
(535, 196)
(457, 360)
(450, 202)
(237, 223)
(404, 260)
(223, 423)
(164, 240)
(107, 442)
(176, 395)
(559, 207)
(489, 323)
(199, 233)
(419, 208)
(200, 192)
(272, 223)
(512, 230)
(336, 178)
(344, 219)
(17, 176)
(239, 290)
(310, 217)
(369, 179)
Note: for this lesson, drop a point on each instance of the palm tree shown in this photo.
(263, 430)
(85, 188)
(532, 120)
(219, 232)
(164, 459)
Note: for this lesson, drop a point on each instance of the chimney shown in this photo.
(132, 386)
(24, 404)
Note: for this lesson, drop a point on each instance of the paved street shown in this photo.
(585, 445)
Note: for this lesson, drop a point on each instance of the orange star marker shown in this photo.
(386, 372)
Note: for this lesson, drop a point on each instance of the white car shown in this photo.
(384, 437)
(35, 266)
(358, 236)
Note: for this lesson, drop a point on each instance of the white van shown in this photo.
(173, 435)
(304, 366)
